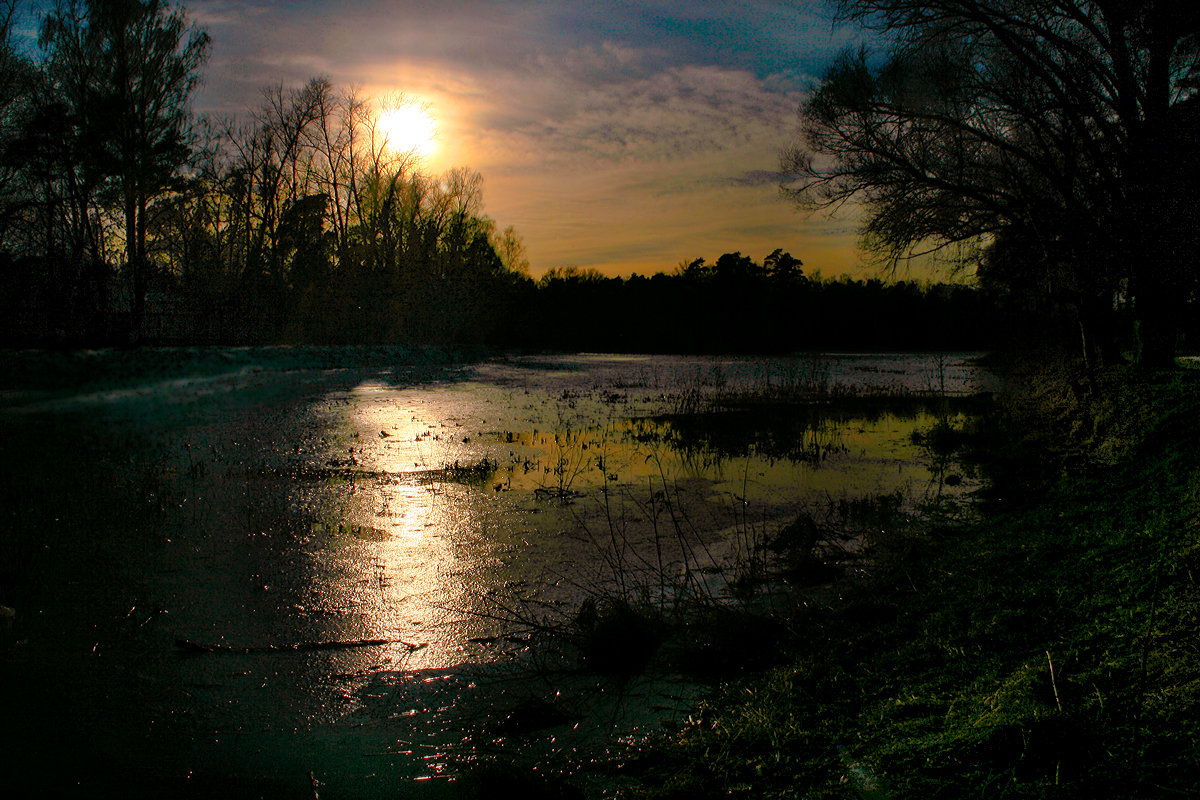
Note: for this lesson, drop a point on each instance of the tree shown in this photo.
(511, 250)
(1050, 123)
(127, 69)
(15, 91)
(736, 268)
(694, 270)
(783, 266)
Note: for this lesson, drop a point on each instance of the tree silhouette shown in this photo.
(298, 224)
(15, 91)
(783, 266)
(127, 70)
(736, 268)
(1048, 121)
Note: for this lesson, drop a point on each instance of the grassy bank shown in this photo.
(1049, 650)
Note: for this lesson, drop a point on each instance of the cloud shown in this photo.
(677, 113)
(615, 134)
(759, 177)
(595, 41)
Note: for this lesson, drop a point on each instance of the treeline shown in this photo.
(738, 305)
(124, 219)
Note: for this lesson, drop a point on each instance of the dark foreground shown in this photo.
(229, 570)
(1042, 647)
(1048, 651)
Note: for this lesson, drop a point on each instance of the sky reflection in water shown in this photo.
(301, 507)
(503, 479)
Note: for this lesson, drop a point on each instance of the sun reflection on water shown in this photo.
(430, 568)
(466, 479)
(339, 519)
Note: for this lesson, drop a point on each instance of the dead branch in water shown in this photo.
(189, 646)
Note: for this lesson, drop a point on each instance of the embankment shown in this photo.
(1048, 650)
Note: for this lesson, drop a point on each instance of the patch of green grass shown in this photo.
(1048, 650)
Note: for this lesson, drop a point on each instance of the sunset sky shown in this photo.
(624, 136)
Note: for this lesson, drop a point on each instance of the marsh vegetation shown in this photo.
(221, 564)
(1036, 651)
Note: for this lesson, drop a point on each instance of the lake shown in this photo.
(242, 571)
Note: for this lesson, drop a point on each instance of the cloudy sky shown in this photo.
(625, 136)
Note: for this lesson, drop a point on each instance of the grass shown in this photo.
(1048, 650)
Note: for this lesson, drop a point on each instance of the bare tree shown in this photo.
(511, 249)
(1048, 122)
(15, 85)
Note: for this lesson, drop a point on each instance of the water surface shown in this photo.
(249, 509)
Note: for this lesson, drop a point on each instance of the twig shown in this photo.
(1053, 682)
(197, 647)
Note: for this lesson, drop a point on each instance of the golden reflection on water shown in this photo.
(451, 540)
(425, 584)
(327, 522)
(430, 569)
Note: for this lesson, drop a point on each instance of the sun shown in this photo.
(408, 128)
